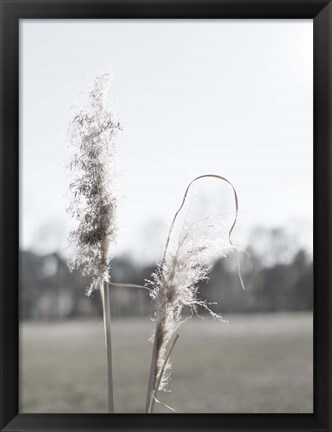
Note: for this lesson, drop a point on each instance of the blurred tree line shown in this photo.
(278, 277)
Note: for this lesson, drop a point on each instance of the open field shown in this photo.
(254, 364)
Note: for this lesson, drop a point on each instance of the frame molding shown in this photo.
(11, 12)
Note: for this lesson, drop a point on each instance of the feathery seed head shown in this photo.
(93, 201)
(175, 286)
(190, 249)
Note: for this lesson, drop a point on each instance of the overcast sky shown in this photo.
(231, 97)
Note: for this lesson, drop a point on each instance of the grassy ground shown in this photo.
(254, 364)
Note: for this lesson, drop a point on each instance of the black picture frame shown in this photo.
(11, 12)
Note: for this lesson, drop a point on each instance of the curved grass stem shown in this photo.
(170, 300)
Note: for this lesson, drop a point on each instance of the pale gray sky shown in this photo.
(231, 97)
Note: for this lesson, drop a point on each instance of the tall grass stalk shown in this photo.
(94, 203)
(105, 295)
(174, 286)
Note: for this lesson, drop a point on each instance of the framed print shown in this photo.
(165, 215)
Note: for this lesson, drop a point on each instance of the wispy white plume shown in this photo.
(175, 284)
(93, 202)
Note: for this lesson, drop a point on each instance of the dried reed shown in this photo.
(93, 205)
(174, 286)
